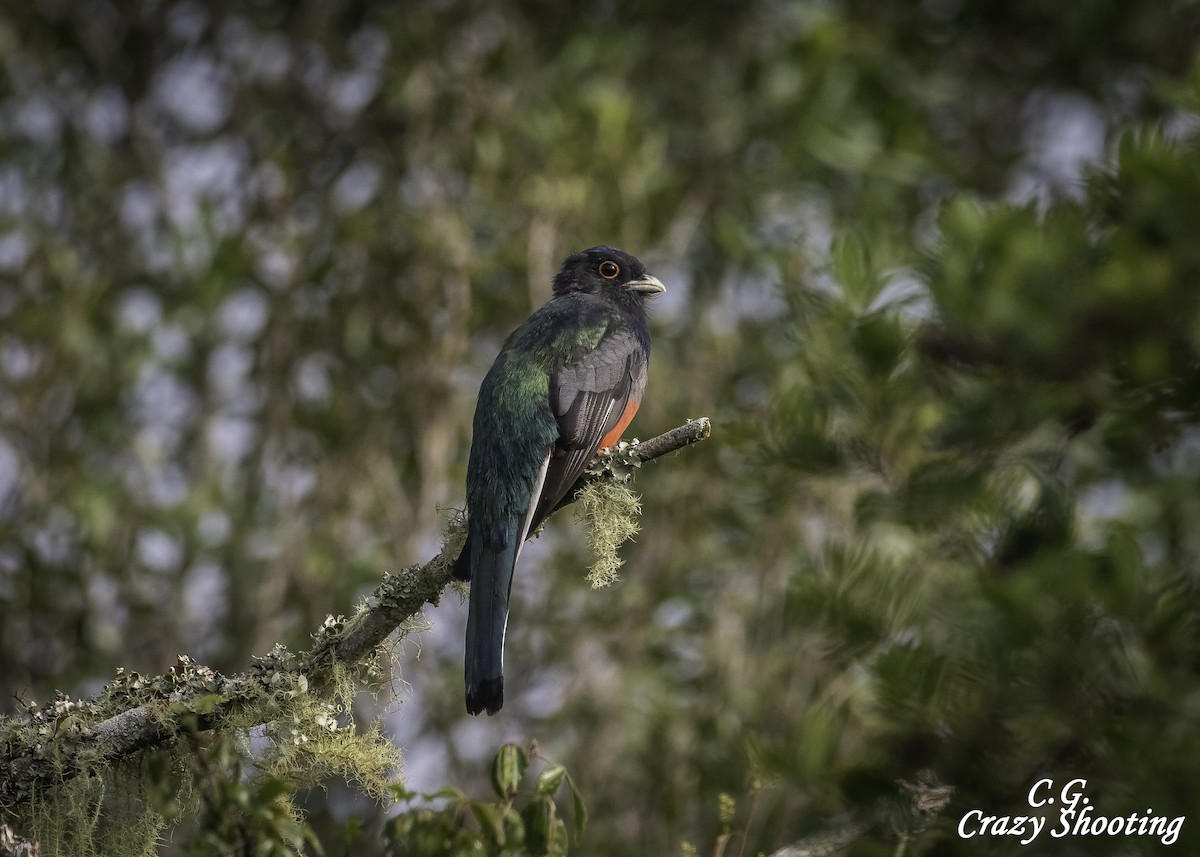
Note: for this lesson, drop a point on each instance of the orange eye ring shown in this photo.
(609, 269)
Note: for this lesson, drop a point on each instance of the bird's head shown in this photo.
(606, 271)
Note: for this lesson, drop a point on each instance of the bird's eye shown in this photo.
(609, 270)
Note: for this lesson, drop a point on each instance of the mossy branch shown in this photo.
(12, 845)
(66, 738)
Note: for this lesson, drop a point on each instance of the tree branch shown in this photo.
(64, 738)
(12, 845)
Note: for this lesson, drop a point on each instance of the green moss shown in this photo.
(120, 810)
(610, 511)
(454, 536)
(314, 738)
(97, 815)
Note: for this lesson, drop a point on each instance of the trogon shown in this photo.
(565, 384)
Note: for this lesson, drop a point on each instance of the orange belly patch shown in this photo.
(613, 436)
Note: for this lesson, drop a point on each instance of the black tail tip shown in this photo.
(487, 696)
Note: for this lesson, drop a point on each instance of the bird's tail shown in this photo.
(487, 617)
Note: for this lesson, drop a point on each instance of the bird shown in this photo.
(566, 383)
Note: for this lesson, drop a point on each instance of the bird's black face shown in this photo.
(606, 270)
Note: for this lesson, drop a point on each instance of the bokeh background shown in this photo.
(932, 271)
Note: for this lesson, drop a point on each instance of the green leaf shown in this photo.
(556, 842)
(207, 704)
(352, 830)
(508, 767)
(550, 779)
(578, 810)
(539, 817)
(445, 792)
(852, 268)
(514, 828)
(271, 788)
(491, 822)
(399, 793)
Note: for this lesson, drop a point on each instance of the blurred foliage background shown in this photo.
(932, 269)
